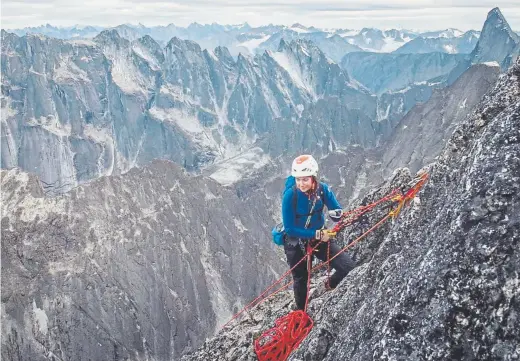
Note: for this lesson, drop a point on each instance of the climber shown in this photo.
(303, 220)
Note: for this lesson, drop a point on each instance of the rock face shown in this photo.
(133, 267)
(462, 44)
(441, 282)
(423, 132)
(385, 72)
(76, 110)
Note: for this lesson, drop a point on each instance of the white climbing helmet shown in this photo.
(304, 166)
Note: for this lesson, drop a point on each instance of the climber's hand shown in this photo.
(326, 235)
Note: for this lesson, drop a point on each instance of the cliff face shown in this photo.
(73, 111)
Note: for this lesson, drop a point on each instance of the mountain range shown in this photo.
(89, 108)
(252, 40)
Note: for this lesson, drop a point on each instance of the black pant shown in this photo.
(342, 264)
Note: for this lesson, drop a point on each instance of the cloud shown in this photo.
(416, 14)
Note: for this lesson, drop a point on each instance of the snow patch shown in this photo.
(41, 318)
(238, 224)
(183, 247)
(297, 29)
(252, 44)
(208, 196)
(349, 33)
(103, 137)
(99, 135)
(360, 183)
(232, 170)
(491, 63)
(81, 42)
(31, 70)
(143, 53)
(185, 121)
(450, 49)
(381, 116)
(292, 69)
(188, 123)
(125, 76)
(52, 125)
(217, 297)
(69, 71)
(7, 111)
(212, 55)
(391, 45)
(402, 91)
(177, 93)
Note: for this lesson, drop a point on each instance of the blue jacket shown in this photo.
(294, 219)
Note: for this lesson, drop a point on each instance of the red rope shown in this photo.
(358, 212)
(330, 259)
(309, 270)
(346, 219)
(277, 343)
(328, 265)
(252, 304)
(351, 244)
(261, 297)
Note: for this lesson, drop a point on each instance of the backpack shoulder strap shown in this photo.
(294, 198)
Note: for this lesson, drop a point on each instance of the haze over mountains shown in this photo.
(249, 40)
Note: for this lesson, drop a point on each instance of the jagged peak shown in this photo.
(149, 43)
(38, 36)
(108, 35)
(495, 12)
(147, 39)
(184, 44)
(496, 20)
(124, 26)
(195, 25)
(497, 40)
(299, 26)
(282, 46)
(370, 31)
(223, 54)
(244, 59)
(7, 33)
(300, 47)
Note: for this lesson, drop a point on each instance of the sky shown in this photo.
(351, 14)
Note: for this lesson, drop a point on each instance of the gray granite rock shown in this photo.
(141, 266)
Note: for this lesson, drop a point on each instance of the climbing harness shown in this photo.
(277, 343)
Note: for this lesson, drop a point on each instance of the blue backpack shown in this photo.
(278, 231)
